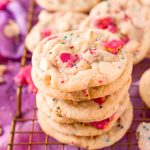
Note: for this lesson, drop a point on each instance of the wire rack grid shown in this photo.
(127, 143)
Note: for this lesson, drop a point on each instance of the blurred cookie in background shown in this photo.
(53, 23)
(144, 87)
(129, 19)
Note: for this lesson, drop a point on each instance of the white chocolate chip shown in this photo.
(11, 29)
(44, 14)
(106, 68)
(43, 64)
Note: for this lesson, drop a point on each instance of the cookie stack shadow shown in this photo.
(92, 118)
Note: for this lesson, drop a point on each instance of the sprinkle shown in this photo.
(71, 47)
(62, 81)
(100, 81)
(62, 43)
(148, 138)
(100, 106)
(65, 37)
(71, 34)
(50, 53)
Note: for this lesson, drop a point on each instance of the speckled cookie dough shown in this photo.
(87, 129)
(42, 82)
(143, 135)
(68, 5)
(84, 111)
(92, 58)
(122, 18)
(53, 23)
(144, 87)
(96, 142)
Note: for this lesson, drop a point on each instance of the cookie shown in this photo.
(122, 18)
(77, 60)
(143, 135)
(148, 54)
(96, 142)
(53, 23)
(84, 111)
(42, 82)
(144, 87)
(67, 5)
(87, 129)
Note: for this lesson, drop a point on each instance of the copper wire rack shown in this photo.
(129, 142)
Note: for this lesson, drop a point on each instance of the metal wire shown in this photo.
(127, 142)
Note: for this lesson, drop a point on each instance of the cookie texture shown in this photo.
(67, 5)
(84, 111)
(42, 82)
(96, 142)
(53, 23)
(144, 87)
(95, 58)
(143, 135)
(86, 129)
(122, 18)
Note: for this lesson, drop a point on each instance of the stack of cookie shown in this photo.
(83, 79)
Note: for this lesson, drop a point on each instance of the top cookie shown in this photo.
(129, 19)
(67, 5)
(77, 60)
(52, 23)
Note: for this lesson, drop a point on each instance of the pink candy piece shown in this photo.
(24, 78)
(99, 100)
(65, 57)
(125, 39)
(3, 4)
(45, 33)
(52, 37)
(69, 59)
(113, 46)
(101, 124)
(105, 23)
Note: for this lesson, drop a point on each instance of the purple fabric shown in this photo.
(13, 47)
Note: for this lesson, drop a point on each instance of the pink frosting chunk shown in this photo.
(45, 33)
(99, 100)
(105, 23)
(24, 78)
(113, 46)
(69, 59)
(101, 124)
